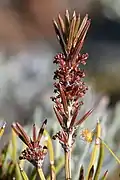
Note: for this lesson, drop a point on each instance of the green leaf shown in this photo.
(17, 172)
(51, 154)
(33, 174)
(2, 128)
(23, 174)
(41, 174)
(100, 161)
(95, 148)
(14, 146)
(113, 154)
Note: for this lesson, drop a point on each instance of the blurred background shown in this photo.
(28, 45)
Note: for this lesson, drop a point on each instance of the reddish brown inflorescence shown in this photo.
(34, 153)
(69, 77)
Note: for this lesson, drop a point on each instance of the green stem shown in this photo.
(68, 165)
(41, 174)
(117, 159)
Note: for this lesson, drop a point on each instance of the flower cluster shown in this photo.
(34, 153)
(69, 84)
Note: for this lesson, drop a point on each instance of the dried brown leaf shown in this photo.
(71, 33)
(80, 29)
(84, 117)
(59, 117)
(80, 42)
(59, 36)
(41, 131)
(77, 25)
(64, 100)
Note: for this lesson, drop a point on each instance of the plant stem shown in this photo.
(68, 165)
(41, 174)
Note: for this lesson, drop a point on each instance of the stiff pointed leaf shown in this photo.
(59, 117)
(17, 172)
(14, 146)
(100, 162)
(21, 133)
(34, 133)
(62, 25)
(77, 25)
(23, 174)
(105, 175)
(74, 116)
(51, 155)
(41, 174)
(67, 16)
(84, 117)
(67, 24)
(82, 26)
(41, 131)
(95, 151)
(11, 168)
(64, 100)
(71, 33)
(59, 36)
(80, 42)
(113, 154)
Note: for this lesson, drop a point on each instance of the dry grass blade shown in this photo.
(59, 36)
(81, 176)
(71, 33)
(91, 173)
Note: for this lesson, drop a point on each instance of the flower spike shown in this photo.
(35, 152)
